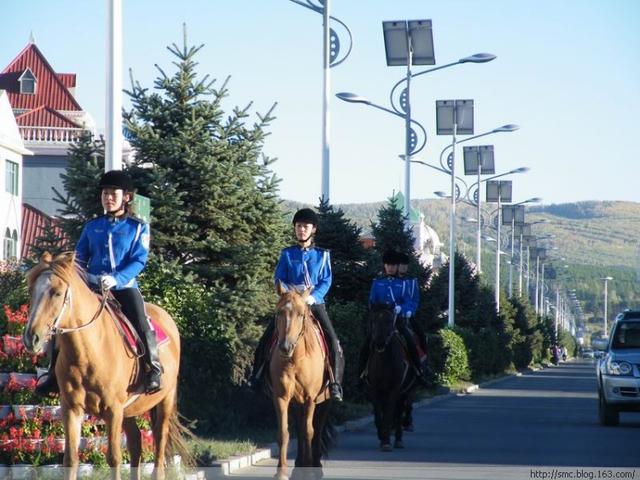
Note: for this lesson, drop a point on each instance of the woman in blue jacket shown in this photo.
(113, 249)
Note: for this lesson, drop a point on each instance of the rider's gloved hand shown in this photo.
(107, 282)
(311, 300)
(397, 309)
(408, 314)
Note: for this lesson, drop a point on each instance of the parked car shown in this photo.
(587, 353)
(619, 369)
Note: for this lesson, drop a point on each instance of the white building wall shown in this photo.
(11, 150)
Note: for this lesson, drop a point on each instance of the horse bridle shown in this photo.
(393, 332)
(302, 328)
(55, 330)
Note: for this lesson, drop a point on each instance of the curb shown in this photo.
(231, 465)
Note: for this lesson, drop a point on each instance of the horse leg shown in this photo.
(134, 445)
(398, 416)
(72, 421)
(297, 420)
(113, 419)
(163, 413)
(282, 409)
(388, 407)
(309, 410)
(320, 419)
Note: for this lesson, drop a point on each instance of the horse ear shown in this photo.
(67, 258)
(306, 292)
(281, 288)
(46, 257)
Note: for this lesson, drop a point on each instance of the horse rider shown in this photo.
(302, 266)
(413, 299)
(394, 291)
(114, 248)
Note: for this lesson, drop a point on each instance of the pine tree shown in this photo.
(350, 262)
(50, 239)
(390, 231)
(81, 180)
(214, 197)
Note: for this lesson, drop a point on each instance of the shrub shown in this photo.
(448, 357)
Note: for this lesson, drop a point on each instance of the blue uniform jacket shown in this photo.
(302, 268)
(413, 293)
(390, 291)
(117, 247)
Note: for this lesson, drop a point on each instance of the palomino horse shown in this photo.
(94, 369)
(390, 377)
(296, 368)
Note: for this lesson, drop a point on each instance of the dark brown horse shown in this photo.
(94, 369)
(297, 373)
(391, 379)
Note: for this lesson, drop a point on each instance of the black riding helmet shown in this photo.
(116, 179)
(390, 257)
(403, 259)
(305, 215)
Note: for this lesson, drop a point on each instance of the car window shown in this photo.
(630, 315)
(627, 335)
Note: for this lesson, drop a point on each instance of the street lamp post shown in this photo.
(606, 302)
(453, 117)
(330, 54)
(497, 192)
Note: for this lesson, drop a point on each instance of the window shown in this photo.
(10, 245)
(11, 177)
(27, 82)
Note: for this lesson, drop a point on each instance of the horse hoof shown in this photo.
(280, 476)
(386, 447)
(398, 444)
(408, 428)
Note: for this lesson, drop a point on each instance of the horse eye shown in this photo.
(56, 293)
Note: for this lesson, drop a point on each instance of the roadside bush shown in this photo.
(13, 289)
(349, 320)
(486, 350)
(448, 357)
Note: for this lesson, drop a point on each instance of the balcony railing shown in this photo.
(50, 134)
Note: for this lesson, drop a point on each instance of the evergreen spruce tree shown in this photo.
(215, 208)
(350, 262)
(49, 240)
(390, 231)
(82, 200)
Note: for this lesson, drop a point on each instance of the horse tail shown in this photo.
(324, 422)
(178, 436)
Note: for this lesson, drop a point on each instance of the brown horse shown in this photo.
(296, 368)
(95, 371)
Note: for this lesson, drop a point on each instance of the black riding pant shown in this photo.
(132, 304)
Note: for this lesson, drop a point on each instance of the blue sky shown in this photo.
(567, 72)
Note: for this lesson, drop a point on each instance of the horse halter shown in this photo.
(302, 329)
(393, 332)
(54, 329)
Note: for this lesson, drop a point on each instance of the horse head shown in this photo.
(290, 314)
(383, 325)
(50, 297)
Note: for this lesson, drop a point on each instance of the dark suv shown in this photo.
(619, 369)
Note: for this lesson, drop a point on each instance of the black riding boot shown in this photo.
(47, 383)
(260, 358)
(320, 313)
(154, 375)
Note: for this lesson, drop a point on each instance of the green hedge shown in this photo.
(448, 357)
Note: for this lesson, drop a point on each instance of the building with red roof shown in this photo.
(49, 119)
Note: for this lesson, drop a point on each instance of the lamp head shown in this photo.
(352, 98)
(511, 127)
(478, 58)
(533, 200)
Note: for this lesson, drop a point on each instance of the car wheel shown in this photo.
(609, 415)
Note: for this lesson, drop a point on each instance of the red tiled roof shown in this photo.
(44, 117)
(33, 223)
(51, 88)
(67, 79)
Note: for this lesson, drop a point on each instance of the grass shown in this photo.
(206, 451)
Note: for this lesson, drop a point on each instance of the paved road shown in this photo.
(517, 428)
